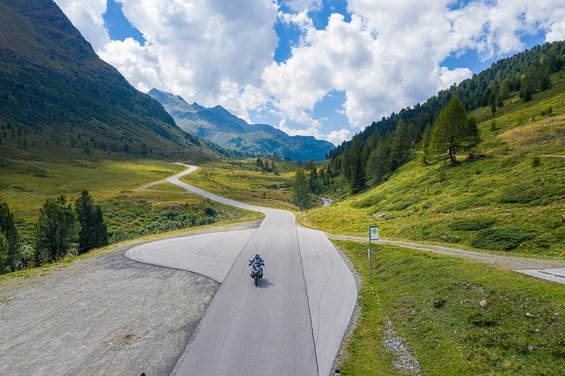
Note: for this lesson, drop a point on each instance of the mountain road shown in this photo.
(292, 323)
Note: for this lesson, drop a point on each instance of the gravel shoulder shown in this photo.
(102, 315)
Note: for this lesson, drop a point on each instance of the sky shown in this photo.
(326, 68)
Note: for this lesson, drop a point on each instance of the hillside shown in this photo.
(57, 96)
(512, 198)
(219, 126)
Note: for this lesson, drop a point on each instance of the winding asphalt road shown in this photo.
(293, 323)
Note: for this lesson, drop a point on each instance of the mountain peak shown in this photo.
(220, 126)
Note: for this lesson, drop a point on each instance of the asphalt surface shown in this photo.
(292, 323)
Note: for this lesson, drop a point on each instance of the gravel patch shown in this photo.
(106, 315)
(405, 361)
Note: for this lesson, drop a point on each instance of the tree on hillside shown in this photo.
(10, 232)
(314, 181)
(472, 137)
(378, 165)
(55, 231)
(357, 171)
(453, 131)
(4, 264)
(93, 230)
(400, 149)
(300, 193)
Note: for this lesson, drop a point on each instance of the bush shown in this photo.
(536, 161)
(472, 224)
(502, 239)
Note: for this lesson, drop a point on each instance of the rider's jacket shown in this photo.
(257, 261)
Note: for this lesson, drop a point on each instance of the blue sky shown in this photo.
(313, 72)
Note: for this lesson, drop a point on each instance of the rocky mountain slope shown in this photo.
(228, 131)
(55, 91)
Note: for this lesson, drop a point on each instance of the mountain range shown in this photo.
(59, 94)
(221, 127)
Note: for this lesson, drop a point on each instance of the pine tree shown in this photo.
(472, 137)
(300, 194)
(450, 130)
(378, 164)
(357, 172)
(55, 231)
(10, 231)
(4, 249)
(314, 181)
(400, 149)
(93, 231)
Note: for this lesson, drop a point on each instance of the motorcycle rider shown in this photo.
(258, 261)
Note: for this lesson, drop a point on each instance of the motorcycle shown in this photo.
(256, 273)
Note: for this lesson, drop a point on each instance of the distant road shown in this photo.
(293, 323)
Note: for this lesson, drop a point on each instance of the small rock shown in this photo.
(536, 330)
(531, 348)
(483, 303)
(413, 312)
(530, 315)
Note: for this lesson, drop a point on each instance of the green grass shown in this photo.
(129, 211)
(240, 180)
(434, 303)
(515, 190)
(27, 184)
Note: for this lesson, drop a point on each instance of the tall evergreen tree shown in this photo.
(400, 149)
(8, 227)
(4, 264)
(93, 231)
(357, 169)
(314, 181)
(55, 231)
(378, 164)
(471, 137)
(300, 194)
(450, 131)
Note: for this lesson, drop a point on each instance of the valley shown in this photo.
(139, 177)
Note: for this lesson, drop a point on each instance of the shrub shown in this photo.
(536, 161)
(501, 239)
(472, 224)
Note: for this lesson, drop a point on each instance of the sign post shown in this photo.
(373, 235)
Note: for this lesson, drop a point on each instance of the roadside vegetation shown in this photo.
(260, 181)
(509, 197)
(456, 317)
(37, 196)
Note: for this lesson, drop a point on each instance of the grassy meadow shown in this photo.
(511, 198)
(457, 317)
(241, 180)
(129, 212)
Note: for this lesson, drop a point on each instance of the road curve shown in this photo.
(293, 323)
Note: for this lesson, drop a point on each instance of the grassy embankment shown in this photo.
(129, 212)
(512, 199)
(240, 180)
(457, 317)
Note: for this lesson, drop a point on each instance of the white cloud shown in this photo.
(387, 57)
(337, 137)
(87, 17)
(300, 5)
(310, 131)
(557, 31)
